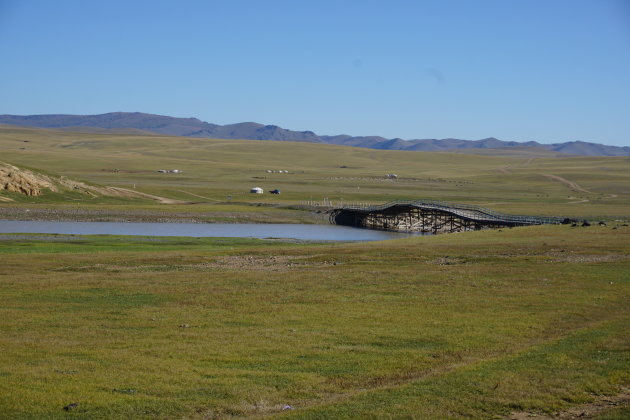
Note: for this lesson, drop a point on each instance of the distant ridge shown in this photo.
(193, 127)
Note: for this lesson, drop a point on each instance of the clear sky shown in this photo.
(545, 70)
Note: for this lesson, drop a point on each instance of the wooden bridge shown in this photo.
(431, 217)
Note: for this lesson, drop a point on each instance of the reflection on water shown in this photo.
(294, 231)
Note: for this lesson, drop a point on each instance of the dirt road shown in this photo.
(573, 185)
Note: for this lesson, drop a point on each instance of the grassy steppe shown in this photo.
(216, 171)
(471, 325)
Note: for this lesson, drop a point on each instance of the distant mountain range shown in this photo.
(193, 127)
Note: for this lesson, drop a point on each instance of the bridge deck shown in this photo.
(465, 211)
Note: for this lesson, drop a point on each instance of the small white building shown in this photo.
(256, 190)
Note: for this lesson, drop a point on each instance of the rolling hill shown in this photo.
(193, 127)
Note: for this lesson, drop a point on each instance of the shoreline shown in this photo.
(157, 216)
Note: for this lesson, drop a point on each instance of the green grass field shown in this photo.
(471, 325)
(217, 171)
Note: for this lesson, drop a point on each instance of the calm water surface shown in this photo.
(294, 231)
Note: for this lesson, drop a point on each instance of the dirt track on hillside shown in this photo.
(573, 185)
(124, 192)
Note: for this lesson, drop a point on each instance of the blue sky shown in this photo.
(520, 70)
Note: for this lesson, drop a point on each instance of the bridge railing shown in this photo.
(471, 211)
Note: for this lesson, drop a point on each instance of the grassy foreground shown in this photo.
(474, 325)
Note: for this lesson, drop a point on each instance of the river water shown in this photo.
(226, 230)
